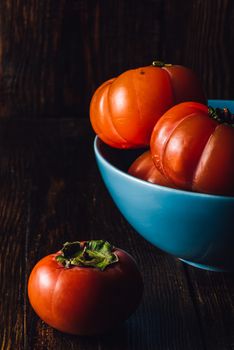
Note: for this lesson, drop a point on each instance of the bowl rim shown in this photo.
(98, 154)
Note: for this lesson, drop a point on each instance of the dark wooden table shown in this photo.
(51, 192)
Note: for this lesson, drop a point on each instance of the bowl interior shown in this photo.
(121, 159)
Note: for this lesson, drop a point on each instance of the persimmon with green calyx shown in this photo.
(86, 288)
(193, 147)
(124, 110)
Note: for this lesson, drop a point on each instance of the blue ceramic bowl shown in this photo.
(197, 228)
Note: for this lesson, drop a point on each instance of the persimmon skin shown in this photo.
(124, 110)
(85, 300)
(144, 168)
(193, 150)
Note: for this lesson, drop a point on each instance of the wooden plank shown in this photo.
(70, 202)
(165, 318)
(213, 295)
(198, 35)
(51, 192)
(16, 170)
(14, 216)
(54, 53)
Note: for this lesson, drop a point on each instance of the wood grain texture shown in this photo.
(198, 34)
(75, 205)
(55, 53)
(51, 192)
(213, 295)
(14, 214)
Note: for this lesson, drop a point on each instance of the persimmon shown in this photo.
(124, 110)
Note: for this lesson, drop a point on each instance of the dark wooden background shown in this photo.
(51, 192)
(54, 53)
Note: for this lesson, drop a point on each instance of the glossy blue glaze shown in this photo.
(195, 227)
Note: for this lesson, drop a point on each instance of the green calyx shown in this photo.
(221, 115)
(94, 253)
(160, 64)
